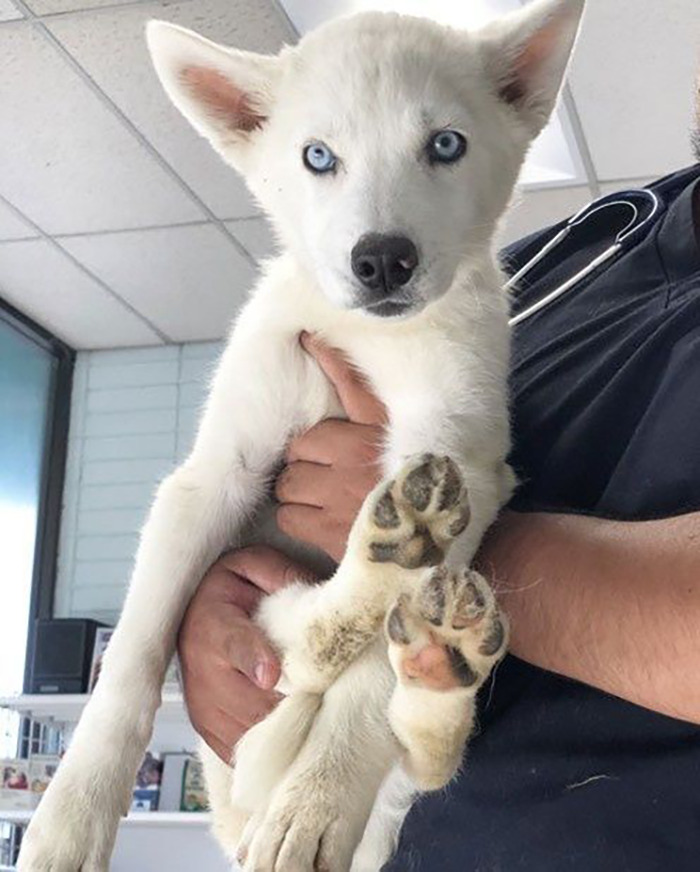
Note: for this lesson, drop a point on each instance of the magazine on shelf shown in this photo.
(173, 776)
(102, 637)
(194, 793)
(15, 786)
(147, 788)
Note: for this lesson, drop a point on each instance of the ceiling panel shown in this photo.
(8, 11)
(43, 283)
(189, 281)
(256, 236)
(11, 226)
(51, 7)
(536, 210)
(74, 167)
(112, 48)
(633, 80)
(70, 164)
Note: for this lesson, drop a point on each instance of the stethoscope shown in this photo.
(638, 201)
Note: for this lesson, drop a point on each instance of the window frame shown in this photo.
(53, 469)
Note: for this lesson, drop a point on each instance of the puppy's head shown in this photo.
(384, 148)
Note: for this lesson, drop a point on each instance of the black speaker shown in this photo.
(62, 655)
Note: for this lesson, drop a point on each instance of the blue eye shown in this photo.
(446, 146)
(319, 158)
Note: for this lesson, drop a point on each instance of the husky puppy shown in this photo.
(385, 150)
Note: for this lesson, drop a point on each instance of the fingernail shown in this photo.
(261, 675)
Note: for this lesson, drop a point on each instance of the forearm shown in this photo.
(615, 605)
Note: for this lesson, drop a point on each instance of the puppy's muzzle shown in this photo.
(384, 264)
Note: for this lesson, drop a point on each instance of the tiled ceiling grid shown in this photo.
(119, 226)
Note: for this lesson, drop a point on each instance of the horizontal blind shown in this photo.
(133, 419)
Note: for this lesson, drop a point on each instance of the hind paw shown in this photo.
(413, 519)
(449, 633)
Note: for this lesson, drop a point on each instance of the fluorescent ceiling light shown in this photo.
(306, 14)
(554, 160)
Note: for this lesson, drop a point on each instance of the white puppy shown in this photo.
(385, 150)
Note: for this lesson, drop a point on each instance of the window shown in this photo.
(35, 378)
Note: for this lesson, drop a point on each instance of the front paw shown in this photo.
(307, 830)
(75, 826)
(448, 633)
(412, 520)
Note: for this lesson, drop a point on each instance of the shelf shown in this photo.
(67, 708)
(135, 819)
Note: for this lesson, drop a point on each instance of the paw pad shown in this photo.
(414, 518)
(448, 632)
(461, 668)
(495, 638)
(385, 515)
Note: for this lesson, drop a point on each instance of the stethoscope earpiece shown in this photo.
(622, 238)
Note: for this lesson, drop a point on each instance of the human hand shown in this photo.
(228, 666)
(333, 466)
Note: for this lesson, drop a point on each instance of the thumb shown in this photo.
(356, 397)
(250, 652)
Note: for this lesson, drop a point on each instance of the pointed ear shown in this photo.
(225, 94)
(527, 54)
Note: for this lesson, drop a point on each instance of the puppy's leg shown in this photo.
(318, 813)
(404, 526)
(74, 828)
(444, 640)
(199, 510)
(329, 638)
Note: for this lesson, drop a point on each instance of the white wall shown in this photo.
(133, 417)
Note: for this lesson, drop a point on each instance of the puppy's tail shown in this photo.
(267, 750)
(228, 822)
(261, 759)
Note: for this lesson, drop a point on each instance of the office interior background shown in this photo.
(126, 248)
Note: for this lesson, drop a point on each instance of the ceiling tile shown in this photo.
(43, 283)
(111, 46)
(12, 226)
(189, 281)
(8, 11)
(51, 7)
(74, 167)
(536, 210)
(255, 234)
(633, 80)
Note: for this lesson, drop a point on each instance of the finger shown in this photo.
(248, 650)
(239, 705)
(221, 747)
(336, 443)
(304, 483)
(355, 395)
(232, 589)
(312, 526)
(240, 700)
(266, 568)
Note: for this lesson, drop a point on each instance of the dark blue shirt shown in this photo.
(606, 389)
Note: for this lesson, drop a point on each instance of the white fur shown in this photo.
(372, 87)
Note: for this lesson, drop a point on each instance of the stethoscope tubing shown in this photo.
(622, 239)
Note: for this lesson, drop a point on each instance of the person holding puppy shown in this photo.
(588, 753)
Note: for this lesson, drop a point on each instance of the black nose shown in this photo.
(382, 262)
